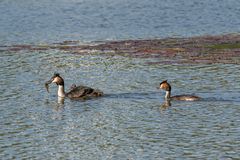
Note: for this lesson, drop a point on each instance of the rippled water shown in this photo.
(130, 122)
(90, 20)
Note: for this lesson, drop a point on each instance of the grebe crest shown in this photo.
(165, 86)
(57, 79)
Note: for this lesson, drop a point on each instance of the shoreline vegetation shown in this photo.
(207, 49)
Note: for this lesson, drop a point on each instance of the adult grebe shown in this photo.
(75, 91)
(166, 86)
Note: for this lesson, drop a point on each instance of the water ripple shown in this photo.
(129, 122)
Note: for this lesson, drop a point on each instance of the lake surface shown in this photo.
(131, 121)
(90, 20)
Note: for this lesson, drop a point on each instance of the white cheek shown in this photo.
(54, 81)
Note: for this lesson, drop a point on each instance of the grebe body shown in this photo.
(75, 91)
(185, 98)
(167, 87)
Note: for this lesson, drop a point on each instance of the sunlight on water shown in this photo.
(130, 122)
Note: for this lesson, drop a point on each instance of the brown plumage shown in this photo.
(83, 92)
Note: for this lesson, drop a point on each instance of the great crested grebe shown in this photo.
(166, 86)
(75, 91)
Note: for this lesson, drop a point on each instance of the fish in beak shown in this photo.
(47, 85)
(55, 79)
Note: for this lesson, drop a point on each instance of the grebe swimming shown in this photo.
(166, 86)
(75, 91)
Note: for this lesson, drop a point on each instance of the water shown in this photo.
(132, 121)
(90, 20)
(129, 122)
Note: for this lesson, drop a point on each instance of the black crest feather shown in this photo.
(165, 81)
(56, 74)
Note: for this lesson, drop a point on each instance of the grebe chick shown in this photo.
(75, 91)
(73, 86)
(166, 86)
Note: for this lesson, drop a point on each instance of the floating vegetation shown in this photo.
(225, 46)
(202, 49)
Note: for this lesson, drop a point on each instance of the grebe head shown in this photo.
(165, 86)
(56, 78)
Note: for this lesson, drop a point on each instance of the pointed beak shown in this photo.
(48, 82)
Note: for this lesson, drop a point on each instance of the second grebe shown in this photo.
(166, 86)
(75, 91)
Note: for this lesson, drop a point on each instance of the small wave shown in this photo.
(133, 95)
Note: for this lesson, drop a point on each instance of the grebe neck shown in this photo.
(61, 92)
(168, 95)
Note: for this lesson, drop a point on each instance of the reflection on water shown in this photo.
(131, 122)
(60, 100)
(165, 105)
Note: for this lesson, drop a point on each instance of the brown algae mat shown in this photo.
(203, 49)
